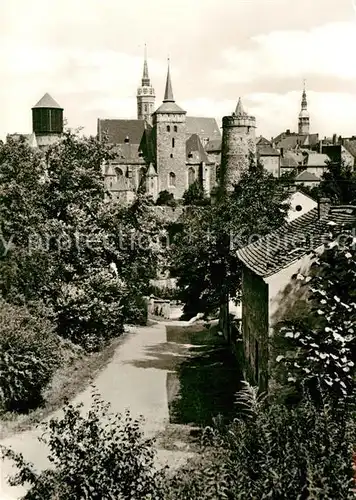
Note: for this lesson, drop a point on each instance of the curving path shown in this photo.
(126, 383)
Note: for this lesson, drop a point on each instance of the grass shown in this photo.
(77, 372)
(208, 378)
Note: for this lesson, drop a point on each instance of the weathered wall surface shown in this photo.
(255, 327)
(171, 153)
(238, 143)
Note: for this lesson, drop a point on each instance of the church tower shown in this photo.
(145, 95)
(169, 132)
(47, 121)
(304, 119)
(238, 143)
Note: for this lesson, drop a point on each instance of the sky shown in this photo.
(88, 54)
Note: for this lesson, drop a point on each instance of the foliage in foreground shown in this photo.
(95, 456)
(29, 354)
(274, 452)
(318, 350)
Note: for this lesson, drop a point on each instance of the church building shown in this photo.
(161, 150)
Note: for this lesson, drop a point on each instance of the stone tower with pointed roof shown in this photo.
(304, 118)
(47, 121)
(169, 132)
(238, 143)
(145, 95)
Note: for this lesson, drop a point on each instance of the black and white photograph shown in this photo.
(177, 250)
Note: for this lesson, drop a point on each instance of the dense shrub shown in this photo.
(166, 198)
(90, 310)
(274, 452)
(28, 356)
(98, 455)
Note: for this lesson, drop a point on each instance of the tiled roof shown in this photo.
(47, 101)
(317, 160)
(292, 159)
(194, 146)
(350, 146)
(290, 141)
(118, 130)
(205, 127)
(262, 140)
(266, 150)
(292, 241)
(170, 107)
(306, 176)
(213, 146)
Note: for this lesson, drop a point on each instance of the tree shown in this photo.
(319, 351)
(98, 455)
(339, 183)
(66, 236)
(195, 195)
(166, 198)
(203, 254)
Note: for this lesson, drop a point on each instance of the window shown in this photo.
(146, 108)
(172, 142)
(171, 155)
(127, 139)
(119, 173)
(175, 128)
(191, 176)
(172, 179)
(168, 128)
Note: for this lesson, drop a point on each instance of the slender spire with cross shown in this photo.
(145, 94)
(145, 78)
(168, 94)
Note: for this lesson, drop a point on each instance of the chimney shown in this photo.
(288, 131)
(323, 207)
(321, 146)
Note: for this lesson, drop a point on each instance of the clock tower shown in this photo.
(145, 95)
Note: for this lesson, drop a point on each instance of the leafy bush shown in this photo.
(166, 198)
(28, 356)
(195, 195)
(98, 455)
(90, 310)
(274, 452)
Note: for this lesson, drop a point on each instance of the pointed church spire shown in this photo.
(168, 94)
(304, 97)
(145, 78)
(239, 108)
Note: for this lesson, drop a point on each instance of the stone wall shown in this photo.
(255, 322)
(238, 143)
(169, 158)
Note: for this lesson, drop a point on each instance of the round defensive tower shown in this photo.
(238, 143)
(47, 121)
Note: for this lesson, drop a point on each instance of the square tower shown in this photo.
(169, 131)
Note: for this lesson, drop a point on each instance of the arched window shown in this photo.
(119, 173)
(172, 142)
(168, 128)
(191, 176)
(172, 179)
(175, 128)
(146, 108)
